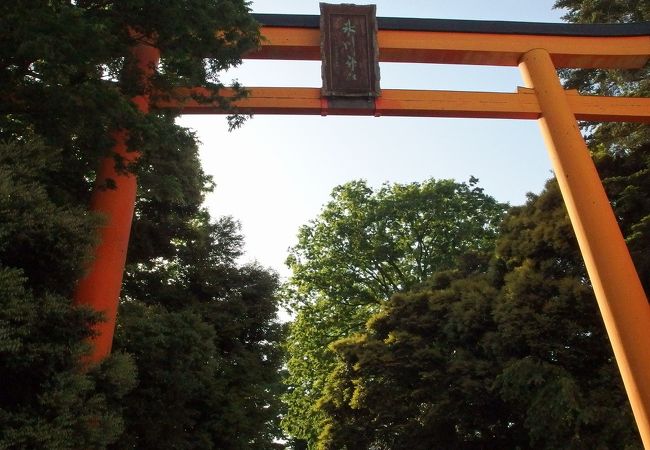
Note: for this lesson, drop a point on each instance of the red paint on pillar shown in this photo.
(100, 288)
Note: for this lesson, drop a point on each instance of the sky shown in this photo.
(276, 172)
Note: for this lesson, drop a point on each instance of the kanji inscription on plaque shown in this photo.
(349, 50)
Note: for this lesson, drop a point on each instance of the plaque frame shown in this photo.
(349, 51)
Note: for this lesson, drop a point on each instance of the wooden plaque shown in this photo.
(349, 50)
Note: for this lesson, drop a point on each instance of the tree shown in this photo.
(560, 364)
(45, 400)
(537, 359)
(367, 245)
(363, 247)
(203, 332)
(506, 354)
(65, 83)
(420, 376)
(620, 150)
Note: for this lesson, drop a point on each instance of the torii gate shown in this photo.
(538, 49)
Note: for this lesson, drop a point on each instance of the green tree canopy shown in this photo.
(364, 246)
(45, 400)
(619, 149)
(200, 330)
(204, 335)
(513, 355)
(506, 354)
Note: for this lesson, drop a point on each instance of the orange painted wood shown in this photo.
(507, 50)
(468, 48)
(609, 109)
(100, 288)
(416, 103)
(622, 301)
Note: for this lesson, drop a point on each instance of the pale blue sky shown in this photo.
(276, 172)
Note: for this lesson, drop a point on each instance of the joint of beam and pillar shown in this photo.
(621, 299)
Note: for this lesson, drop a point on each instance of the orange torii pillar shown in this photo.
(100, 288)
(617, 287)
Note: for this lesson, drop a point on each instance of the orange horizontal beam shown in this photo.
(414, 103)
(291, 43)
(609, 109)
(490, 105)
(507, 50)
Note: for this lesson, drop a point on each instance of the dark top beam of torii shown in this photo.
(470, 26)
(445, 41)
